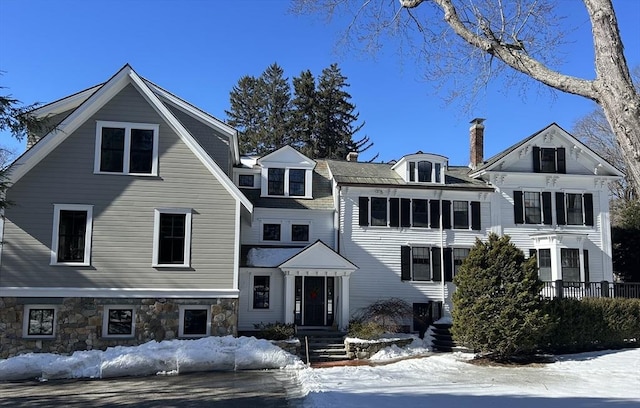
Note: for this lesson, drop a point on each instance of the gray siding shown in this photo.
(123, 213)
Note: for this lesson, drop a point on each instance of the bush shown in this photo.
(365, 330)
(275, 331)
(390, 314)
(592, 324)
(497, 303)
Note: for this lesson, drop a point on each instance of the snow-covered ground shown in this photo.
(578, 380)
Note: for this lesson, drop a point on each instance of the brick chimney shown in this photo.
(352, 156)
(476, 133)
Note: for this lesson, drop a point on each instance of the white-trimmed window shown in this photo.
(195, 321)
(246, 180)
(126, 148)
(71, 239)
(287, 182)
(299, 232)
(271, 232)
(118, 321)
(261, 289)
(39, 321)
(172, 237)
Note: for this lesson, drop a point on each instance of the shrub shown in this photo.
(275, 331)
(365, 330)
(497, 303)
(390, 314)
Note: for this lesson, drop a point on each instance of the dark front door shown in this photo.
(314, 291)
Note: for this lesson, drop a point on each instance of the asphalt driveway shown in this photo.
(264, 389)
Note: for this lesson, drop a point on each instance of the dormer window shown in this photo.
(296, 182)
(421, 168)
(286, 173)
(276, 181)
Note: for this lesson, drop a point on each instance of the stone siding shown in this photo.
(79, 323)
(364, 350)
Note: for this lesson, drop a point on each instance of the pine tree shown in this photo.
(497, 307)
(277, 103)
(336, 115)
(304, 122)
(246, 114)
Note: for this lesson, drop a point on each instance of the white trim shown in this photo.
(252, 284)
(187, 237)
(183, 308)
(87, 234)
(65, 104)
(122, 293)
(127, 126)
(105, 322)
(236, 246)
(25, 321)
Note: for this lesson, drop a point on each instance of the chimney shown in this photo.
(476, 133)
(352, 156)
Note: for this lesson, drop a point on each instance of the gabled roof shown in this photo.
(92, 100)
(318, 256)
(286, 156)
(553, 129)
(382, 175)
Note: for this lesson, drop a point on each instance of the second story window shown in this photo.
(300, 232)
(461, 214)
(296, 182)
(378, 211)
(126, 148)
(271, 232)
(172, 240)
(71, 243)
(245, 180)
(574, 209)
(276, 181)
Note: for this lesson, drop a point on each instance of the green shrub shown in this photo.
(497, 304)
(275, 331)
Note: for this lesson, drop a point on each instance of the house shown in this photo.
(135, 218)
(125, 225)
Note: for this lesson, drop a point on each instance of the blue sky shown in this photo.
(199, 49)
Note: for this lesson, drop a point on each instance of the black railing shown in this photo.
(579, 290)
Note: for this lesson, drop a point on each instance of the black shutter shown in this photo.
(475, 215)
(394, 212)
(586, 265)
(405, 212)
(560, 216)
(532, 253)
(405, 263)
(434, 213)
(518, 209)
(435, 263)
(561, 161)
(363, 205)
(536, 159)
(448, 265)
(446, 214)
(546, 208)
(588, 209)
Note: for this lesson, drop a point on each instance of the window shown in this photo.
(271, 232)
(39, 321)
(245, 180)
(379, 212)
(544, 265)
(118, 321)
(261, 292)
(421, 263)
(532, 208)
(461, 214)
(172, 243)
(275, 181)
(424, 171)
(570, 259)
(574, 208)
(459, 255)
(126, 148)
(420, 213)
(549, 160)
(296, 182)
(300, 232)
(194, 321)
(71, 240)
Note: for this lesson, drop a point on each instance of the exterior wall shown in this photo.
(320, 226)
(79, 323)
(376, 250)
(247, 315)
(123, 214)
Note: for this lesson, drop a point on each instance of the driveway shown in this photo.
(264, 389)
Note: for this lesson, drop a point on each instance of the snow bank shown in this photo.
(167, 357)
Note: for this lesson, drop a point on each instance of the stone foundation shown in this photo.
(364, 350)
(79, 323)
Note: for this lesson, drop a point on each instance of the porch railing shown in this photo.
(579, 290)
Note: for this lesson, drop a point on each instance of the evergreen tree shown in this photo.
(277, 96)
(336, 116)
(246, 114)
(497, 307)
(304, 122)
(626, 239)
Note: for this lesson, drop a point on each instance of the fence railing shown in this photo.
(579, 290)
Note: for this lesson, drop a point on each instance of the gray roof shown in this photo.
(381, 174)
(321, 187)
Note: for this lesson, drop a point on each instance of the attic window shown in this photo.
(549, 160)
(126, 148)
(424, 171)
(286, 182)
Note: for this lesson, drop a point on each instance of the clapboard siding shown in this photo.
(248, 317)
(123, 213)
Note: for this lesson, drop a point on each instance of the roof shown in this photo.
(89, 101)
(321, 187)
(382, 174)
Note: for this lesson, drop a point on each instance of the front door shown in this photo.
(314, 304)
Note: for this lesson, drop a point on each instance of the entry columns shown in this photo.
(344, 303)
(289, 301)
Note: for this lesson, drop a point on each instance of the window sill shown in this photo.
(118, 337)
(36, 337)
(69, 264)
(169, 266)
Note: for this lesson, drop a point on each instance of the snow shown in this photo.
(270, 257)
(436, 380)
